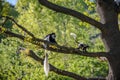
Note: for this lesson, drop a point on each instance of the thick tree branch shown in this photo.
(56, 47)
(52, 68)
(56, 70)
(52, 47)
(71, 12)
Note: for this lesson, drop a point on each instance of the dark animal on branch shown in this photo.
(83, 47)
(51, 38)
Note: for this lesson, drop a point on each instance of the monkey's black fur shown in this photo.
(51, 38)
(83, 47)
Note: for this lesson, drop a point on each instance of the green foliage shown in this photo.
(42, 21)
(6, 10)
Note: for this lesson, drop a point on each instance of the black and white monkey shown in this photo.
(50, 38)
(83, 47)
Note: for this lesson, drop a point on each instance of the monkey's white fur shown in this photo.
(46, 64)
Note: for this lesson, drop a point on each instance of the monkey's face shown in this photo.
(53, 36)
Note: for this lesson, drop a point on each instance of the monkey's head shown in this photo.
(53, 35)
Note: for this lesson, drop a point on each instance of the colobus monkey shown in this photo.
(51, 38)
(83, 47)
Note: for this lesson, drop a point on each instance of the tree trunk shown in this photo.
(110, 36)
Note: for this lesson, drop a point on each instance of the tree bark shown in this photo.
(110, 36)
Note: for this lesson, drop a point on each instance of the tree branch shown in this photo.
(51, 47)
(56, 70)
(56, 47)
(21, 27)
(52, 68)
(71, 12)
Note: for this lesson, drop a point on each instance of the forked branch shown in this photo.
(52, 47)
(55, 48)
(21, 27)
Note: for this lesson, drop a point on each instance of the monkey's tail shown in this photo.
(46, 64)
